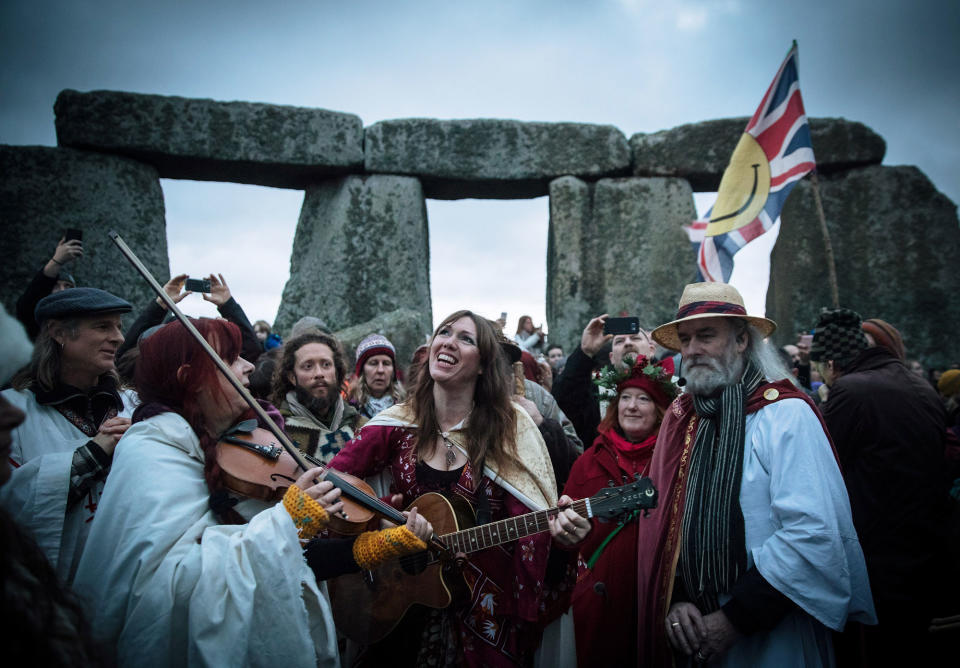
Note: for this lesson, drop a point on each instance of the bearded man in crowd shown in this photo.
(752, 556)
(306, 389)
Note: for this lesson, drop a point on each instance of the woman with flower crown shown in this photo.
(604, 601)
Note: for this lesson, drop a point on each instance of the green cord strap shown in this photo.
(600, 548)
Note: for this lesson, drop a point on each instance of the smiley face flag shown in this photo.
(773, 153)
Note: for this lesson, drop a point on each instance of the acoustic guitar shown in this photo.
(369, 604)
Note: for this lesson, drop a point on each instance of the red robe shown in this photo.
(659, 535)
(604, 602)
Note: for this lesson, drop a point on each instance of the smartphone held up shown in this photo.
(198, 285)
(617, 326)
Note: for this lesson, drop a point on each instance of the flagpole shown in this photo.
(827, 245)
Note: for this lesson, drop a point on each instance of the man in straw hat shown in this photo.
(752, 556)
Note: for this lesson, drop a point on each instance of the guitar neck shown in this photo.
(504, 531)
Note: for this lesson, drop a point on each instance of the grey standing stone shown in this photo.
(572, 289)
(206, 140)
(699, 152)
(46, 190)
(491, 158)
(361, 249)
(617, 245)
(403, 327)
(896, 240)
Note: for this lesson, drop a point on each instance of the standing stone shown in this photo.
(699, 152)
(46, 190)
(361, 249)
(493, 158)
(617, 245)
(206, 140)
(572, 289)
(896, 241)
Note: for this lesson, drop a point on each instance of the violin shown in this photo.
(273, 476)
(255, 465)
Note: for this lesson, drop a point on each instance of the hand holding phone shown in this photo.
(69, 248)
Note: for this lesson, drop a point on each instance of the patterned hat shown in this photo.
(708, 300)
(374, 344)
(837, 337)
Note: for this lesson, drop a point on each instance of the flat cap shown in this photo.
(79, 302)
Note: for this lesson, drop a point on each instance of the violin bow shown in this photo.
(371, 503)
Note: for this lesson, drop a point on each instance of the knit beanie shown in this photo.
(949, 383)
(837, 337)
(374, 344)
(16, 346)
(886, 336)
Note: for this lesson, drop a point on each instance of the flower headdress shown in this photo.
(655, 378)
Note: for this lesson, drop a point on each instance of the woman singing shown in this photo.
(459, 434)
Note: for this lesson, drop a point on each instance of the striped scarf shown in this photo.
(713, 548)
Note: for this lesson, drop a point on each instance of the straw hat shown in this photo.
(708, 300)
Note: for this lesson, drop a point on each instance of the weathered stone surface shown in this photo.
(361, 249)
(616, 245)
(206, 140)
(896, 241)
(491, 158)
(46, 190)
(403, 327)
(699, 152)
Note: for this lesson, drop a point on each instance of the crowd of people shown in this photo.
(807, 497)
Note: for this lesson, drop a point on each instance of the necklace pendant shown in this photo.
(451, 457)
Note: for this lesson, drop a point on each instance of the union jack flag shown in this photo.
(752, 194)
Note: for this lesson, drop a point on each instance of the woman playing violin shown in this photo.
(177, 570)
(460, 434)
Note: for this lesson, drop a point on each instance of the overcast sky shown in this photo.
(642, 65)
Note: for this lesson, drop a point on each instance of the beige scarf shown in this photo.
(528, 477)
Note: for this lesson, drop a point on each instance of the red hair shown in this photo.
(171, 347)
(530, 369)
(162, 355)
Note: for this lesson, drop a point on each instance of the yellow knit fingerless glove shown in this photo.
(308, 515)
(372, 548)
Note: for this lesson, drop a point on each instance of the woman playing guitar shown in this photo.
(459, 434)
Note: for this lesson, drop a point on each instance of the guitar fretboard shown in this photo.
(504, 531)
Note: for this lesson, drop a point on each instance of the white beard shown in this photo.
(717, 374)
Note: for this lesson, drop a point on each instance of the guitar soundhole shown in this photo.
(414, 564)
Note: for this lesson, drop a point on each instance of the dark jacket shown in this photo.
(577, 396)
(154, 314)
(39, 287)
(889, 429)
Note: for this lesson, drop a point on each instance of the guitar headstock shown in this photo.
(612, 502)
